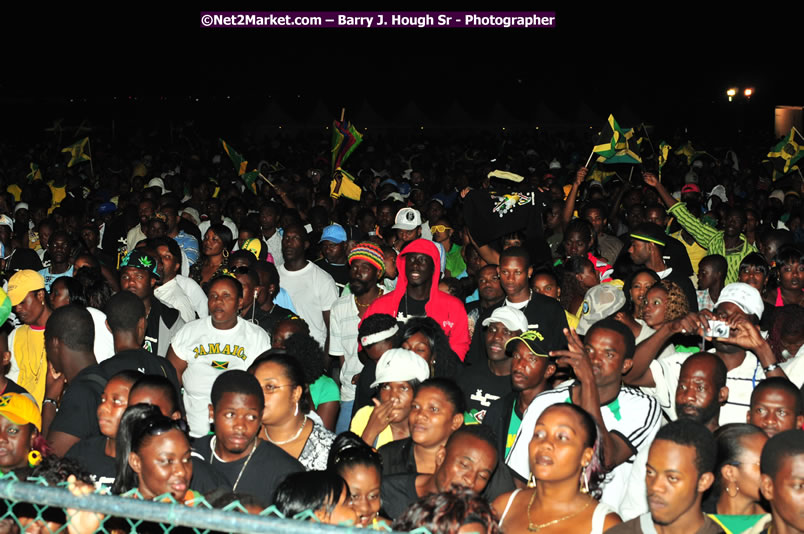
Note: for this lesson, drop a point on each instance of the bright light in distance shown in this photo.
(749, 92)
(731, 92)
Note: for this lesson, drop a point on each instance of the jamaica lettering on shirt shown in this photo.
(207, 349)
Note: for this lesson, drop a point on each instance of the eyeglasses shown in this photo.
(271, 388)
(439, 228)
(243, 269)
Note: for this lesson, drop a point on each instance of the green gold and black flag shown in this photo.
(220, 365)
(786, 154)
(35, 174)
(625, 150)
(690, 153)
(607, 139)
(76, 151)
(664, 152)
(644, 146)
(599, 175)
(250, 179)
(238, 160)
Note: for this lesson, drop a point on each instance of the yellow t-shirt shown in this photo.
(359, 422)
(695, 251)
(28, 351)
(572, 319)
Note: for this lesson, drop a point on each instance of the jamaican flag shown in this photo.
(240, 165)
(76, 151)
(787, 153)
(664, 152)
(607, 139)
(222, 365)
(35, 174)
(644, 146)
(345, 139)
(250, 179)
(238, 160)
(690, 153)
(625, 149)
(599, 175)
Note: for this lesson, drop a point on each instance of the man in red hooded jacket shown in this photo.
(417, 295)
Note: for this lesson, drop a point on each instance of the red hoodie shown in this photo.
(445, 309)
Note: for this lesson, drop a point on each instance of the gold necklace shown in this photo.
(537, 528)
(364, 306)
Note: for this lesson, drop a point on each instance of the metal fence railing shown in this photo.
(35, 497)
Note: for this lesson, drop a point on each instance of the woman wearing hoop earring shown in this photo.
(285, 420)
(566, 472)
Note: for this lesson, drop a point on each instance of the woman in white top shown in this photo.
(566, 473)
(203, 349)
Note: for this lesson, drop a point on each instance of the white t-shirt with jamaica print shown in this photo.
(208, 353)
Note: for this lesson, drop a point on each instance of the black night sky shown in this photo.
(664, 63)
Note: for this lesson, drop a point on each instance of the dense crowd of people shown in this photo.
(467, 340)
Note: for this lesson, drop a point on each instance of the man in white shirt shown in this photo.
(312, 289)
(168, 291)
(746, 354)
(627, 417)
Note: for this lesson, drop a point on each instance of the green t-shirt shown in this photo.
(324, 390)
(455, 264)
(736, 523)
(513, 428)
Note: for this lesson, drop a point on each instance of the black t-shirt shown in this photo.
(77, 415)
(498, 418)
(159, 311)
(23, 258)
(268, 467)
(143, 361)
(363, 390)
(340, 273)
(13, 387)
(543, 313)
(397, 457)
(482, 388)
(91, 454)
(410, 307)
(398, 492)
(269, 320)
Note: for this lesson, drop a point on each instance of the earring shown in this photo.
(225, 253)
(34, 458)
(584, 481)
(532, 481)
(736, 490)
(296, 411)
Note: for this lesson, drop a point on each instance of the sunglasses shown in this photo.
(439, 228)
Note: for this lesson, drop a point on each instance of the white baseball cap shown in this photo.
(512, 318)
(400, 365)
(407, 219)
(746, 297)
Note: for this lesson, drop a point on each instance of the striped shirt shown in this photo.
(712, 240)
(633, 416)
